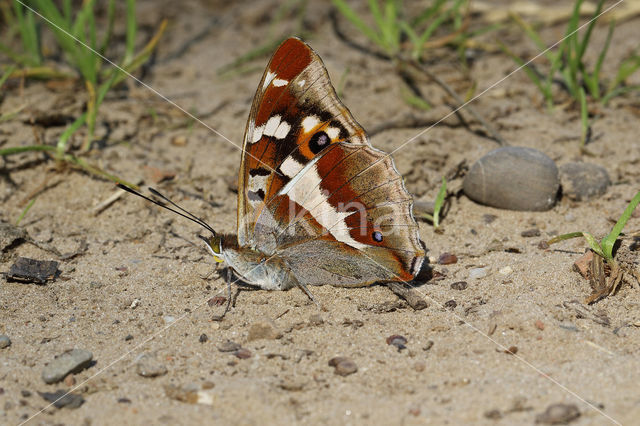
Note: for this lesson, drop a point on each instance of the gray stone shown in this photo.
(5, 342)
(513, 178)
(583, 181)
(148, 366)
(69, 362)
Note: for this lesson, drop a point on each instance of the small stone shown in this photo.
(128, 337)
(343, 365)
(494, 414)
(397, 341)
(70, 380)
(69, 362)
(5, 342)
(179, 140)
(292, 384)
(217, 301)
(539, 325)
(583, 181)
(419, 366)
(263, 330)
(148, 366)
(203, 338)
(450, 304)
(513, 178)
(447, 259)
(506, 270)
(61, 398)
(168, 319)
(459, 285)
(477, 273)
(207, 384)
(316, 320)
(543, 245)
(557, 414)
(512, 350)
(228, 346)
(124, 400)
(242, 353)
(534, 232)
(569, 217)
(428, 346)
(25, 393)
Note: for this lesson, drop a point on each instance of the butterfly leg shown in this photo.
(229, 277)
(304, 288)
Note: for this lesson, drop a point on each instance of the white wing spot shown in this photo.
(271, 126)
(278, 82)
(290, 168)
(304, 189)
(309, 123)
(282, 131)
(268, 79)
(333, 132)
(301, 83)
(257, 134)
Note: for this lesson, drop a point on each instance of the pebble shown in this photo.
(69, 362)
(459, 285)
(243, 353)
(148, 366)
(506, 270)
(343, 366)
(447, 259)
(397, 341)
(203, 338)
(557, 414)
(450, 304)
(70, 380)
(61, 398)
(5, 342)
(263, 330)
(168, 319)
(477, 273)
(513, 178)
(539, 325)
(583, 181)
(535, 232)
(228, 346)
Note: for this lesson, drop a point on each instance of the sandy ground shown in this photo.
(141, 286)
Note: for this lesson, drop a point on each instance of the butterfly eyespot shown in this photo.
(377, 236)
(318, 142)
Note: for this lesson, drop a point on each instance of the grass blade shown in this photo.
(24, 212)
(442, 193)
(608, 242)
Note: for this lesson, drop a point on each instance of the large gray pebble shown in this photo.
(69, 362)
(514, 178)
(583, 181)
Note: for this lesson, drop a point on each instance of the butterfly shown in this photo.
(317, 204)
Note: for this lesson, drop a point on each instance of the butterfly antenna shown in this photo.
(181, 212)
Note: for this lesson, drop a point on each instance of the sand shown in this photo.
(141, 280)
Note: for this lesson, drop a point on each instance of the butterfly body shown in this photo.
(317, 204)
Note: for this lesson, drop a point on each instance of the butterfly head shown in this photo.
(214, 244)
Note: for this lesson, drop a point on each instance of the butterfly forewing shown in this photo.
(295, 114)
